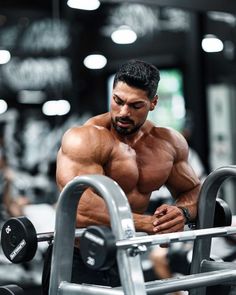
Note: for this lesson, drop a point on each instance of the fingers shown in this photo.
(162, 210)
(168, 219)
(165, 229)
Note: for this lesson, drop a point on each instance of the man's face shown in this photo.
(129, 108)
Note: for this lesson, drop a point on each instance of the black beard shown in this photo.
(125, 131)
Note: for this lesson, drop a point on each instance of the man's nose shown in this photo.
(125, 110)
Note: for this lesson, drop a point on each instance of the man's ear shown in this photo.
(153, 102)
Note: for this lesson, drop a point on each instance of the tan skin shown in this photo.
(140, 162)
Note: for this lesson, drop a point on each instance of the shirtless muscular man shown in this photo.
(141, 157)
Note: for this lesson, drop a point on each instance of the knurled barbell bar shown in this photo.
(20, 241)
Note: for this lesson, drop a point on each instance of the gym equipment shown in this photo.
(20, 241)
(128, 246)
(91, 247)
(11, 290)
(129, 265)
(223, 214)
(98, 245)
(131, 274)
(14, 241)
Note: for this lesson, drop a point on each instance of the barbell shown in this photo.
(20, 241)
(97, 243)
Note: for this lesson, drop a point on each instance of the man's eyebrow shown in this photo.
(135, 102)
(117, 96)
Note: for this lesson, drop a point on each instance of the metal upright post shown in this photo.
(206, 209)
(122, 224)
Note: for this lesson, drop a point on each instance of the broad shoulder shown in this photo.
(169, 134)
(87, 140)
(172, 138)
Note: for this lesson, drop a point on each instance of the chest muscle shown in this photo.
(140, 170)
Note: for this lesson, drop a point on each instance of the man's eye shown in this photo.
(137, 106)
(117, 101)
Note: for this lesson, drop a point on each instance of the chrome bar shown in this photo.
(177, 237)
(191, 282)
(180, 283)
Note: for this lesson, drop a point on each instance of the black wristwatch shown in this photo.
(186, 214)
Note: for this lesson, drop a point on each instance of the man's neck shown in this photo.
(130, 139)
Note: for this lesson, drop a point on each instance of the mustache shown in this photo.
(124, 120)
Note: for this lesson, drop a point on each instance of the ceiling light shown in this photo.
(222, 16)
(5, 56)
(56, 107)
(95, 61)
(84, 4)
(211, 43)
(124, 35)
(3, 106)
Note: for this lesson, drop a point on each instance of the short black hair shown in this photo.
(139, 74)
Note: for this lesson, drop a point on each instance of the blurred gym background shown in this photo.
(57, 61)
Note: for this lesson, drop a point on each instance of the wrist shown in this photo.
(186, 214)
(188, 220)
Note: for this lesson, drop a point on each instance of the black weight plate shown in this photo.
(19, 239)
(11, 290)
(97, 246)
(223, 214)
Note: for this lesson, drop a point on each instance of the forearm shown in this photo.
(85, 218)
(92, 210)
(91, 218)
(143, 223)
(190, 201)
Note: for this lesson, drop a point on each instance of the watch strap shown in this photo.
(186, 214)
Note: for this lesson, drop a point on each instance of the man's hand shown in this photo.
(168, 219)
